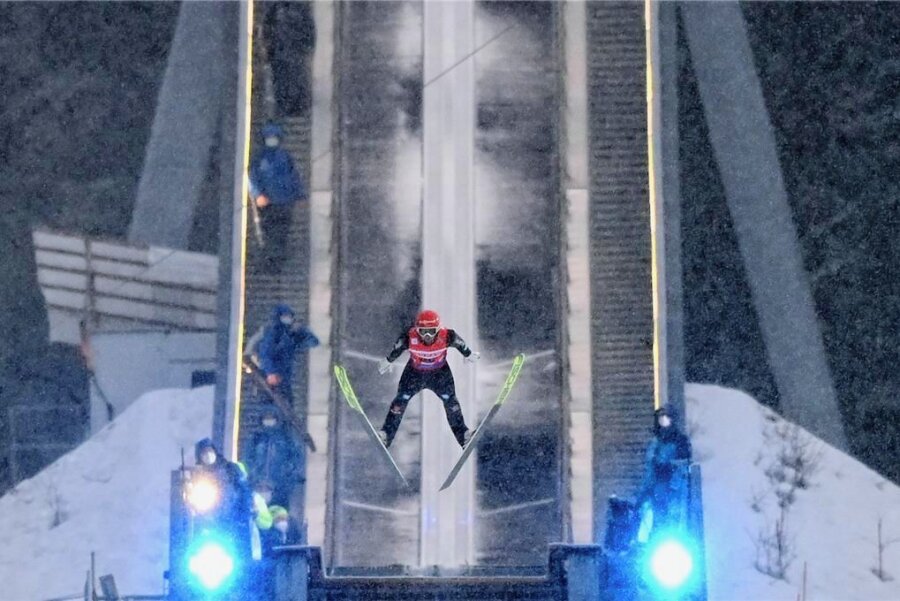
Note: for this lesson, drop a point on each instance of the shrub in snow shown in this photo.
(775, 548)
(757, 499)
(831, 523)
(57, 505)
(793, 458)
(799, 454)
(883, 543)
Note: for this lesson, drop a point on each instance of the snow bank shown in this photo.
(110, 495)
(832, 524)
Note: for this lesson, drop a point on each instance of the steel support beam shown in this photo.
(743, 143)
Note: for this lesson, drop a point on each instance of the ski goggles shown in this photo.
(427, 332)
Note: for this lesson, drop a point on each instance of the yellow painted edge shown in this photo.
(653, 188)
(247, 56)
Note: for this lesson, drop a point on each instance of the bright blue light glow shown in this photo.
(671, 563)
(210, 564)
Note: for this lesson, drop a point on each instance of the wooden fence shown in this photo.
(117, 286)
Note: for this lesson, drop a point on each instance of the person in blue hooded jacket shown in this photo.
(281, 340)
(275, 186)
(666, 462)
(235, 505)
(276, 459)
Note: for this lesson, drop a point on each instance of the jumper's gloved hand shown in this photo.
(473, 357)
(385, 366)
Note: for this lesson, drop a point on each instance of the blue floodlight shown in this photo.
(670, 563)
(210, 563)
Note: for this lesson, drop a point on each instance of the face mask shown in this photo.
(665, 421)
(271, 141)
(281, 526)
(287, 320)
(269, 423)
(208, 457)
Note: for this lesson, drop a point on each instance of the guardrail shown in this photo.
(28, 442)
(108, 590)
(573, 573)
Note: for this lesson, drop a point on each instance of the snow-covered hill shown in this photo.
(110, 495)
(831, 525)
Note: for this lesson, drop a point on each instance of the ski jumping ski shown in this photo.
(350, 396)
(259, 380)
(501, 398)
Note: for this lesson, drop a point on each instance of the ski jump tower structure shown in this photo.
(414, 146)
(490, 161)
(416, 188)
(419, 182)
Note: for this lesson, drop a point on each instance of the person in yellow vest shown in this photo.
(261, 517)
(262, 514)
(280, 524)
(263, 574)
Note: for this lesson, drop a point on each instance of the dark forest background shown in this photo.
(830, 74)
(79, 85)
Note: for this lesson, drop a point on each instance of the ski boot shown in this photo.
(383, 437)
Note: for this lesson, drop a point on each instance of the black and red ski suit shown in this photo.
(427, 368)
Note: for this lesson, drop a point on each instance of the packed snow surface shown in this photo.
(832, 524)
(110, 496)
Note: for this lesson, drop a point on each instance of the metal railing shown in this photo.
(20, 441)
(573, 572)
(108, 589)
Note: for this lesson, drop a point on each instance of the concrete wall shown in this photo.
(128, 364)
(190, 103)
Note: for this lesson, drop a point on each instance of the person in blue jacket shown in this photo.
(281, 340)
(275, 187)
(276, 459)
(235, 506)
(666, 463)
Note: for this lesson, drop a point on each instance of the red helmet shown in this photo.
(428, 319)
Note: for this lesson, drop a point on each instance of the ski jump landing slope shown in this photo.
(831, 525)
(110, 496)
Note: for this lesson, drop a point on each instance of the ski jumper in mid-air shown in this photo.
(427, 343)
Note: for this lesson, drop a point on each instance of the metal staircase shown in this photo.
(291, 285)
(372, 537)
